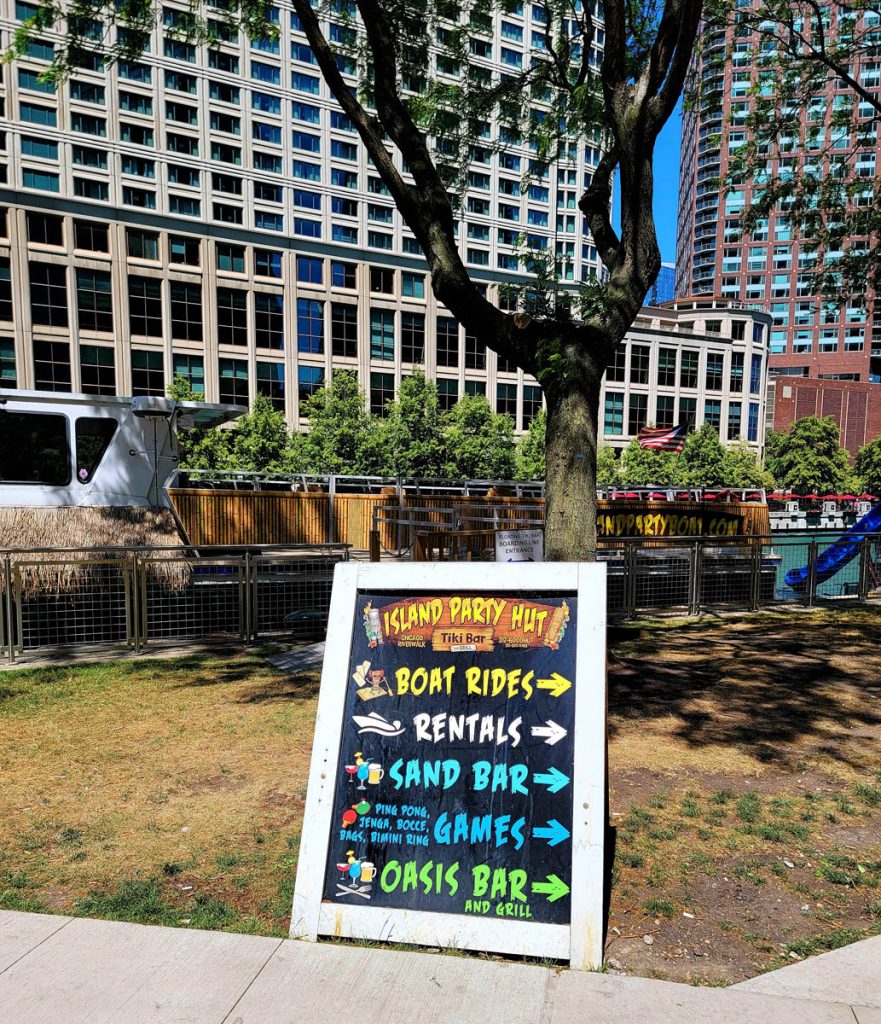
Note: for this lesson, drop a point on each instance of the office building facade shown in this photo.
(210, 212)
(772, 266)
(692, 361)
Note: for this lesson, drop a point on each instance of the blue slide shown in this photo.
(837, 555)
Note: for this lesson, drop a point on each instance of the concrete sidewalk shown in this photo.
(60, 970)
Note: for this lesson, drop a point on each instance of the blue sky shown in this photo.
(666, 186)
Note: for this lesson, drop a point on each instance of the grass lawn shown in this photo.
(745, 774)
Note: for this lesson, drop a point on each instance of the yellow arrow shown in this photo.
(557, 684)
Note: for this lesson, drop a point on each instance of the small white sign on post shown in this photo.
(520, 546)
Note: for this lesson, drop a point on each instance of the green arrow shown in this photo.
(557, 684)
(554, 888)
(554, 779)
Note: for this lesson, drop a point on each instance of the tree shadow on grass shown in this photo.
(776, 690)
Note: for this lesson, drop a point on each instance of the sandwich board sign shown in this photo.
(457, 793)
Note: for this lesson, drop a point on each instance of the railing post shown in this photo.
(630, 579)
(811, 592)
(374, 545)
(10, 625)
(135, 585)
(246, 599)
(331, 509)
(697, 568)
(755, 592)
(864, 570)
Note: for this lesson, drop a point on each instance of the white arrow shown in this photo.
(552, 732)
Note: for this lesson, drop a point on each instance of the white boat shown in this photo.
(76, 450)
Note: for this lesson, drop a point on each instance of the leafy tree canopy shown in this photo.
(480, 442)
(809, 459)
(530, 461)
(868, 467)
(410, 440)
(340, 428)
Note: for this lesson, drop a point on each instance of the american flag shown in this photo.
(662, 439)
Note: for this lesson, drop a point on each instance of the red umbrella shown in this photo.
(831, 497)
(867, 497)
(755, 496)
(791, 497)
(657, 496)
(776, 497)
(683, 495)
(631, 494)
(847, 497)
(810, 497)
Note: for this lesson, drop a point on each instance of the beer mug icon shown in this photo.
(376, 773)
(368, 871)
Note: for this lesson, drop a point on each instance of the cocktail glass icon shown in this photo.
(363, 774)
(351, 769)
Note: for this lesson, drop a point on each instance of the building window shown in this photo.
(412, 337)
(734, 415)
(269, 320)
(752, 430)
(382, 391)
(413, 285)
(688, 413)
(230, 258)
(475, 388)
(664, 411)
(713, 412)
(90, 236)
(145, 306)
(342, 275)
(183, 250)
(715, 363)
(755, 375)
(735, 378)
(613, 417)
(186, 311)
(637, 413)
(475, 353)
(94, 301)
(447, 393)
(382, 334)
(270, 382)
(148, 372)
(232, 316)
(382, 280)
(639, 365)
(344, 329)
(8, 376)
(447, 341)
(738, 330)
(52, 365)
(310, 270)
(615, 369)
(45, 229)
(97, 370)
(531, 403)
(666, 368)
(49, 295)
(5, 289)
(267, 263)
(192, 369)
(309, 380)
(310, 326)
(233, 381)
(688, 369)
(506, 400)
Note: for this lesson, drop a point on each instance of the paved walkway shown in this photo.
(61, 970)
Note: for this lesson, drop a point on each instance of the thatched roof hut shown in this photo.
(94, 531)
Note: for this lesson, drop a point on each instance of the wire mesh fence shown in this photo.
(143, 598)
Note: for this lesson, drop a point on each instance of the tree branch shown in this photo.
(595, 204)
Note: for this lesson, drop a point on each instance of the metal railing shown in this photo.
(144, 598)
(56, 603)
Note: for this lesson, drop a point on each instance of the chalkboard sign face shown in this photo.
(446, 788)
(456, 756)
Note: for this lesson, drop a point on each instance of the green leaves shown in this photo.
(809, 459)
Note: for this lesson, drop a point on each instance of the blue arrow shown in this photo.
(554, 833)
(554, 779)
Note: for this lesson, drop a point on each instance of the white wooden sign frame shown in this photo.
(580, 941)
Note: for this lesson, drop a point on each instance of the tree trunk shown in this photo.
(570, 478)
